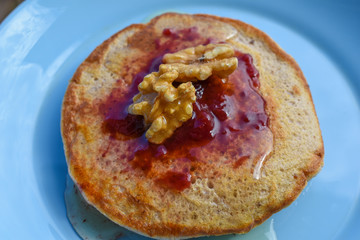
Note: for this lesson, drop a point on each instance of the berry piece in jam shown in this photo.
(202, 124)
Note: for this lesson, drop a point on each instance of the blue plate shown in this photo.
(42, 43)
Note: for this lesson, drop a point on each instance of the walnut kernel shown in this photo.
(166, 107)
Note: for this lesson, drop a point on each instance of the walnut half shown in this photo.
(166, 107)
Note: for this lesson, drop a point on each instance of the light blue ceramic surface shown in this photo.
(42, 43)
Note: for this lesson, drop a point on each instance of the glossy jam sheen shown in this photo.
(225, 111)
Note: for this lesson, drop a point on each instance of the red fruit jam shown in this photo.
(175, 180)
(228, 121)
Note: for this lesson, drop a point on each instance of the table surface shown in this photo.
(6, 6)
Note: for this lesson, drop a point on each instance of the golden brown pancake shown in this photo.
(250, 148)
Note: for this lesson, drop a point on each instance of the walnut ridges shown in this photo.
(166, 107)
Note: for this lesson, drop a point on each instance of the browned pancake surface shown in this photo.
(221, 198)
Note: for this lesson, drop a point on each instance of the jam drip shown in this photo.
(117, 119)
(228, 118)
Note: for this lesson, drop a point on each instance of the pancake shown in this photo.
(250, 147)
